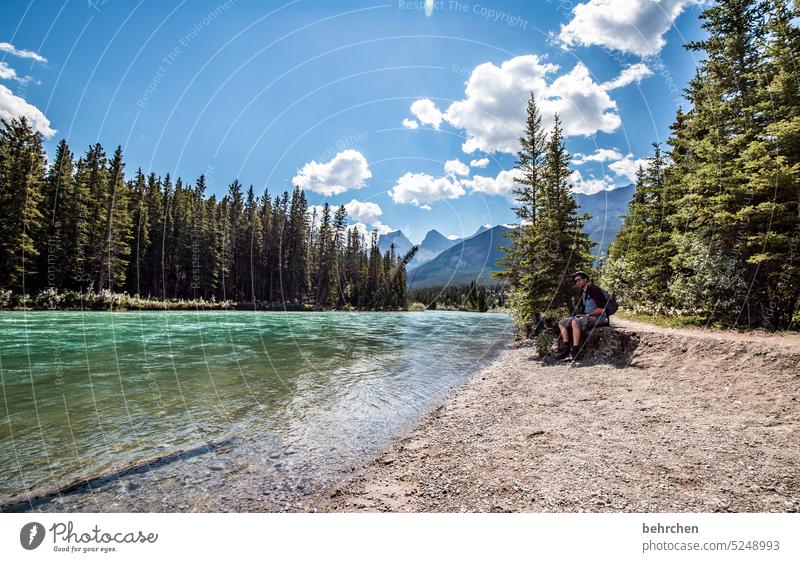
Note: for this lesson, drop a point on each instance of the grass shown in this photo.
(696, 321)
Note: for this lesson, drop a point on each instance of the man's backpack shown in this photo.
(611, 303)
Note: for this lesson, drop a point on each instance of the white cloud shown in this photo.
(456, 167)
(12, 106)
(634, 73)
(493, 112)
(6, 72)
(627, 167)
(480, 163)
(381, 228)
(423, 189)
(589, 186)
(363, 211)
(360, 227)
(347, 170)
(410, 124)
(600, 155)
(631, 26)
(22, 53)
(502, 184)
(584, 106)
(425, 110)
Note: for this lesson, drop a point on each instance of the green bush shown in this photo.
(543, 343)
(5, 299)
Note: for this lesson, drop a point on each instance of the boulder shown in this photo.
(606, 344)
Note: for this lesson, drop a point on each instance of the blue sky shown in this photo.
(408, 117)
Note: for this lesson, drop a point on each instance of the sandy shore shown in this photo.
(699, 421)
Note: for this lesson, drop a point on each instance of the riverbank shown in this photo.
(698, 421)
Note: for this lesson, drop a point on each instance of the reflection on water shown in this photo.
(295, 398)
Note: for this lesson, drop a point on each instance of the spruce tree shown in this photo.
(22, 174)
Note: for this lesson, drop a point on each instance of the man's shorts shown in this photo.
(585, 322)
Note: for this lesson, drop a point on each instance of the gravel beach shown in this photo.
(698, 420)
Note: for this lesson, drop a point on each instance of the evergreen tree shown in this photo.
(56, 244)
(116, 247)
(517, 261)
(22, 175)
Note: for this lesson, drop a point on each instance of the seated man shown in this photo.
(591, 313)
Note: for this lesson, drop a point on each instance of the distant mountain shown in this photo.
(396, 237)
(434, 244)
(470, 259)
(480, 229)
(608, 209)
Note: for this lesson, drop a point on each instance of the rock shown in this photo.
(606, 344)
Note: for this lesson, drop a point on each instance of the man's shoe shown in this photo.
(575, 352)
(561, 352)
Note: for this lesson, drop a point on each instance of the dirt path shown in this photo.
(790, 340)
(699, 421)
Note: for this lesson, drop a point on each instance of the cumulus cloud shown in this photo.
(425, 110)
(363, 211)
(623, 167)
(410, 124)
(631, 26)
(456, 167)
(347, 170)
(423, 189)
(360, 227)
(600, 155)
(627, 167)
(589, 186)
(12, 106)
(381, 228)
(493, 112)
(22, 53)
(634, 73)
(480, 163)
(502, 184)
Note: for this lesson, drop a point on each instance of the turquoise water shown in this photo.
(298, 396)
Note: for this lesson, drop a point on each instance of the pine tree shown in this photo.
(55, 244)
(639, 266)
(560, 245)
(253, 250)
(517, 260)
(22, 174)
(324, 261)
(140, 234)
(116, 246)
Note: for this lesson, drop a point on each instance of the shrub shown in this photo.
(543, 343)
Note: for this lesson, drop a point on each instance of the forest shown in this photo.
(713, 229)
(75, 232)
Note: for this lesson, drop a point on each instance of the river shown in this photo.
(216, 411)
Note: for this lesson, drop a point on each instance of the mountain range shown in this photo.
(431, 246)
(442, 261)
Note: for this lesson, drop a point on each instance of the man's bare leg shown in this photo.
(564, 333)
(576, 334)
